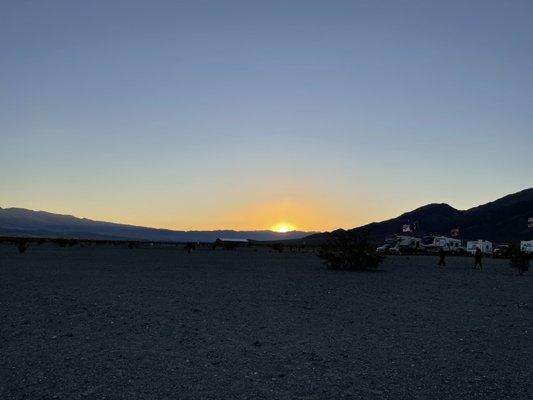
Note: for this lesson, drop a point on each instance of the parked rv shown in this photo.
(406, 245)
(484, 245)
(501, 251)
(389, 242)
(527, 246)
(384, 249)
(400, 244)
(436, 243)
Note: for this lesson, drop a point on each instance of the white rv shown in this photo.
(527, 246)
(400, 244)
(384, 249)
(436, 243)
(389, 242)
(405, 245)
(484, 245)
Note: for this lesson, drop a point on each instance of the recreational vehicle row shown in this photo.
(402, 244)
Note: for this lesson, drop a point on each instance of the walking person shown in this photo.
(478, 255)
(442, 256)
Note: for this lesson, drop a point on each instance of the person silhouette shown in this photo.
(442, 256)
(478, 255)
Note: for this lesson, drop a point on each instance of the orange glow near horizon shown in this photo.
(265, 212)
(283, 227)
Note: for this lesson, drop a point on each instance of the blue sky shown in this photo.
(208, 114)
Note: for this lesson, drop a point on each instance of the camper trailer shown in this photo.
(384, 249)
(405, 245)
(484, 245)
(527, 246)
(389, 242)
(436, 243)
(400, 244)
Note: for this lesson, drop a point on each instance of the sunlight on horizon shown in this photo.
(283, 227)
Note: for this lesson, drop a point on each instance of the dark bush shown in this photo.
(61, 242)
(65, 242)
(519, 259)
(345, 252)
(190, 246)
(22, 245)
(229, 246)
(279, 247)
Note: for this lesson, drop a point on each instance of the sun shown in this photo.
(283, 227)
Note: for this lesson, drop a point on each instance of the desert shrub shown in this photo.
(229, 246)
(346, 252)
(61, 242)
(65, 242)
(22, 246)
(190, 246)
(279, 247)
(519, 259)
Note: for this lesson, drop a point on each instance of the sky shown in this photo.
(247, 114)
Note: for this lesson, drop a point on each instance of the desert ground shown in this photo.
(108, 322)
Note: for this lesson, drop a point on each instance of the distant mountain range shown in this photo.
(502, 221)
(23, 222)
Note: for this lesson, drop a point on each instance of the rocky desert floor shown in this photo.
(108, 322)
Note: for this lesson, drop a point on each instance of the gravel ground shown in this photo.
(110, 322)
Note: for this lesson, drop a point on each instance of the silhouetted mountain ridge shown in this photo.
(501, 221)
(23, 222)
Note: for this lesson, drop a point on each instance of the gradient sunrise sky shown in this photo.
(245, 114)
